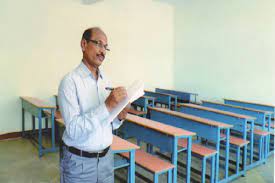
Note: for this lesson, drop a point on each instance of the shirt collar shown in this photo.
(85, 72)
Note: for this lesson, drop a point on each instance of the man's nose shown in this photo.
(102, 51)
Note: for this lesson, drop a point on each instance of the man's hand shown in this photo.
(116, 96)
(122, 115)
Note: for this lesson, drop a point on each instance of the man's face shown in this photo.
(93, 50)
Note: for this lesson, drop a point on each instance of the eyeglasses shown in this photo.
(99, 44)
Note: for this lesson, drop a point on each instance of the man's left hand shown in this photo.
(122, 115)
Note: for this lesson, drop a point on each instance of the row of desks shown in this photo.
(160, 135)
(241, 123)
(204, 128)
(39, 108)
(168, 134)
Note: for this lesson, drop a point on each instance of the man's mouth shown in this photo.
(100, 57)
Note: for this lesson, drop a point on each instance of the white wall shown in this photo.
(225, 49)
(40, 44)
(216, 48)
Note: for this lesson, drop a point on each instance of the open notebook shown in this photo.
(134, 91)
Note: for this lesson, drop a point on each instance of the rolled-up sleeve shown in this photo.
(78, 124)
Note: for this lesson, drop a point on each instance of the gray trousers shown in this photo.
(77, 169)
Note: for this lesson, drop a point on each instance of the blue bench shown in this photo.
(203, 153)
(153, 164)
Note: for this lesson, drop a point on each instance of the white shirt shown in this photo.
(82, 104)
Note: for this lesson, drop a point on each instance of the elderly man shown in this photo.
(85, 106)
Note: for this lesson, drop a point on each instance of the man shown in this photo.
(85, 105)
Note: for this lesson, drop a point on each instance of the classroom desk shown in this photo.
(162, 98)
(183, 97)
(160, 135)
(143, 102)
(241, 123)
(254, 105)
(120, 145)
(262, 118)
(205, 128)
(35, 107)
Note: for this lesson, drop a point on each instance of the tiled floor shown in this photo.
(19, 162)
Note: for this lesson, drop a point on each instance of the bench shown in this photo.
(152, 163)
(263, 143)
(238, 143)
(204, 153)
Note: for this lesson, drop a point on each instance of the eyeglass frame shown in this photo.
(98, 44)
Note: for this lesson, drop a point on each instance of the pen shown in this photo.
(109, 88)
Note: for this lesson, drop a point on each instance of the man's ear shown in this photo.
(83, 44)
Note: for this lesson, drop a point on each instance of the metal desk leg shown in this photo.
(175, 159)
(46, 126)
(213, 169)
(23, 122)
(132, 166)
(188, 160)
(218, 156)
(40, 133)
(53, 130)
(33, 126)
(203, 170)
(252, 143)
(227, 154)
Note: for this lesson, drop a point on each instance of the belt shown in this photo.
(85, 153)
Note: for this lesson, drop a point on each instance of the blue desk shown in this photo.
(262, 118)
(264, 107)
(120, 146)
(183, 97)
(208, 129)
(160, 135)
(162, 98)
(143, 102)
(241, 123)
(35, 107)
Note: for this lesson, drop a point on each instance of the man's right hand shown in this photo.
(116, 96)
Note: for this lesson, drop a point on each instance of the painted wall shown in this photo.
(40, 44)
(225, 49)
